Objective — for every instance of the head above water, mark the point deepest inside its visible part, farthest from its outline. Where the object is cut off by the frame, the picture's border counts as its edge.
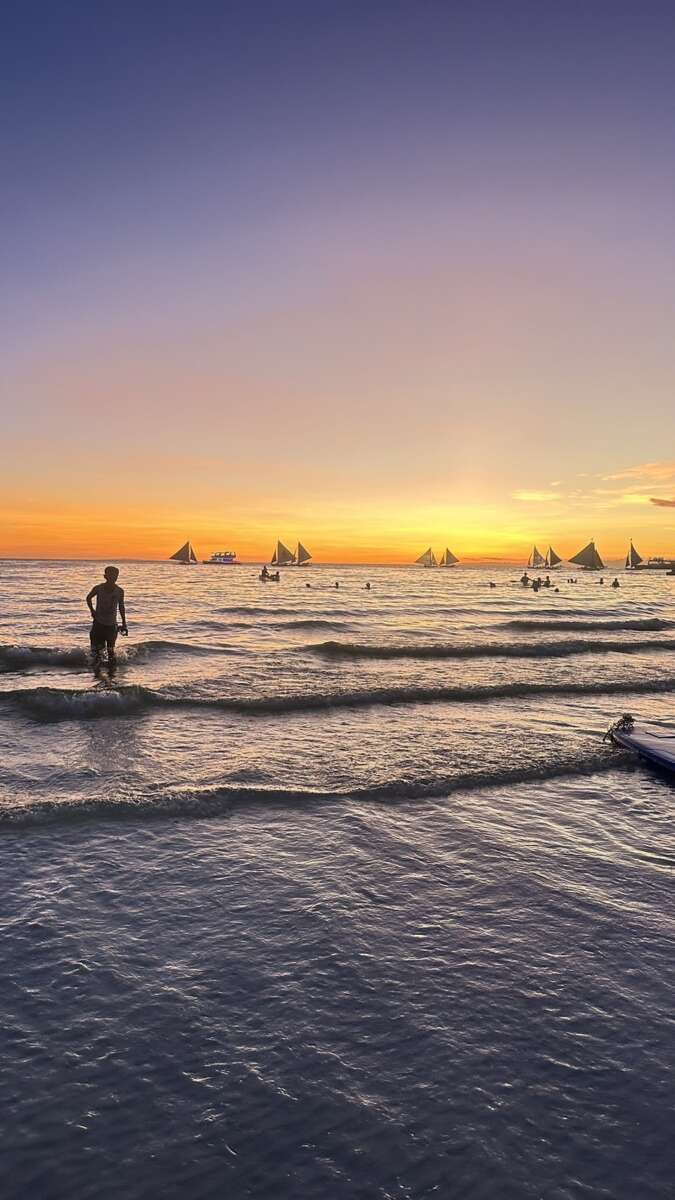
(112, 574)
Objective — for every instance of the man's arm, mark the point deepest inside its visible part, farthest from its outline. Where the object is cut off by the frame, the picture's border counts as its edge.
(90, 597)
(123, 611)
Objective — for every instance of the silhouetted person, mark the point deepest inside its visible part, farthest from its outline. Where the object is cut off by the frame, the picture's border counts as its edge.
(264, 573)
(525, 579)
(109, 598)
(616, 584)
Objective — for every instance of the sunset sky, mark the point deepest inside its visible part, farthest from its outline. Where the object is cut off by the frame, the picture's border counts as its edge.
(375, 275)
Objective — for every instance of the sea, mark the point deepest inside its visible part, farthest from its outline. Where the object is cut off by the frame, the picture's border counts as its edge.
(335, 892)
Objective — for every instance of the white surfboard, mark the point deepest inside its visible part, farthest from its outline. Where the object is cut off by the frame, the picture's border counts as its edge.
(657, 747)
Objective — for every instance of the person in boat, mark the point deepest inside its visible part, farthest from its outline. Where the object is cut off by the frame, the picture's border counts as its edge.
(264, 573)
(525, 579)
(109, 600)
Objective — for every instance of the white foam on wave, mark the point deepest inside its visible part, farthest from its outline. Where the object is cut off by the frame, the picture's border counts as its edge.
(217, 800)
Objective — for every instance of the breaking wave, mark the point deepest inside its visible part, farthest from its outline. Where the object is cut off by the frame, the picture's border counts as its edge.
(20, 658)
(59, 704)
(490, 650)
(218, 800)
(644, 624)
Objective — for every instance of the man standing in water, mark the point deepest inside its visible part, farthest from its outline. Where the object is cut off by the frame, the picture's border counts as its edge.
(109, 598)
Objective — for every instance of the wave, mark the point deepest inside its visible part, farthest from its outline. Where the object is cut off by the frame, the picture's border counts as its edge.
(311, 623)
(217, 800)
(561, 649)
(20, 658)
(644, 624)
(60, 704)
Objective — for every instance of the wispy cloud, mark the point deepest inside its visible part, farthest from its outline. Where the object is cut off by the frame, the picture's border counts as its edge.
(650, 470)
(661, 503)
(536, 497)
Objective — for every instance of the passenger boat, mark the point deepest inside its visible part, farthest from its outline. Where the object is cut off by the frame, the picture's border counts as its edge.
(222, 558)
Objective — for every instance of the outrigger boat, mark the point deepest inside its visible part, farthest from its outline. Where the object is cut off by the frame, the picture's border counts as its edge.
(448, 559)
(185, 555)
(634, 562)
(283, 557)
(428, 559)
(588, 558)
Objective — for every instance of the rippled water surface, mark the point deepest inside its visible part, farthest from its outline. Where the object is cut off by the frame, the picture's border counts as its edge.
(335, 892)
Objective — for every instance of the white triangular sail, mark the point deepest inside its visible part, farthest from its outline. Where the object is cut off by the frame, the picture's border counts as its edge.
(633, 559)
(303, 555)
(273, 560)
(536, 558)
(428, 559)
(448, 559)
(588, 558)
(186, 554)
(284, 556)
(552, 559)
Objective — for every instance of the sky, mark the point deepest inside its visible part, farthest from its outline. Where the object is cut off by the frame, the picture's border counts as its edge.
(372, 275)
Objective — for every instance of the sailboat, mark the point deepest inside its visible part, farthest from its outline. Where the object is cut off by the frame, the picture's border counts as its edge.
(302, 555)
(282, 556)
(552, 559)
(428, 559)
(633, 559)
(448, 559)
(185, 555)
(536, 559)
(588, 558)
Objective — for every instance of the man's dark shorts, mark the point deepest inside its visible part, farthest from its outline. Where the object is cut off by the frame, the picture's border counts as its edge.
(103, 635)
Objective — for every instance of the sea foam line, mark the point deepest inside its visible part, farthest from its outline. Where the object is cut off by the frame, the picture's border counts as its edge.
(561, 649)
(217, 800)
(643, 624)
(19, 658)
(59, 704)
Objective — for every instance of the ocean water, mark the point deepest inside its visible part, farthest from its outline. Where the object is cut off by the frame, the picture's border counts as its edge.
(332, 892)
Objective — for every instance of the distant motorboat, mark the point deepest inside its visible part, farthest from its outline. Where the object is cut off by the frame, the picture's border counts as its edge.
(185, 555)
(428, 559)
(222, 558)
(588, 558)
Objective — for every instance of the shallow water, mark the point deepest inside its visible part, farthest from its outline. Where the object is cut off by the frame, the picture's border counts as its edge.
(423, 943)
